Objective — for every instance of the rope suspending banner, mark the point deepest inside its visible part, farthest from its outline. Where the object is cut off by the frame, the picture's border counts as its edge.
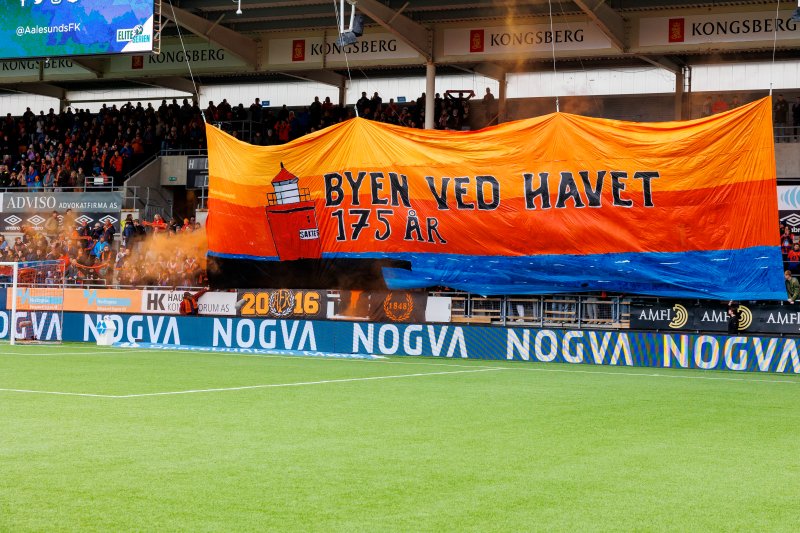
(188, 64)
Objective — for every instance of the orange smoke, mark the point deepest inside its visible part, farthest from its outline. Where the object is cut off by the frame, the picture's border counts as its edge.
(185, 244)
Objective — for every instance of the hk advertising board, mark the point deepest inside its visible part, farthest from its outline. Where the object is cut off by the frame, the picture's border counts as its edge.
(118, 301)
(242, 335)
(57, 28)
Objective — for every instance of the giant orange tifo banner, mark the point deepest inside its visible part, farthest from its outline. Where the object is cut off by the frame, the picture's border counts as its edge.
(558, 203)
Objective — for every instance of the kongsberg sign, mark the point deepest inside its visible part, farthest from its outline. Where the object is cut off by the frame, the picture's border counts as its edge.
(370, 47)
(717, 28)
(529, 39)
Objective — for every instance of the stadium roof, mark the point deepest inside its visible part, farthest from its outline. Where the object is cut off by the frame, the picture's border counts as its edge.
(259, 45)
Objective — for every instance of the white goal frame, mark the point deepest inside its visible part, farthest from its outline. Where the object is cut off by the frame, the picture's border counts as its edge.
(15, 284)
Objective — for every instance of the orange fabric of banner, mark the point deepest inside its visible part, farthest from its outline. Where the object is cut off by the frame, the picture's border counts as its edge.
(556, 184)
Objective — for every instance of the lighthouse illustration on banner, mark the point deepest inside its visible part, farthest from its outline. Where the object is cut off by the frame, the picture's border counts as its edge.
(292, 219)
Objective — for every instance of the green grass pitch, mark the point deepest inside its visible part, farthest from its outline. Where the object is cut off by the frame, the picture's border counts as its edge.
(244, 443)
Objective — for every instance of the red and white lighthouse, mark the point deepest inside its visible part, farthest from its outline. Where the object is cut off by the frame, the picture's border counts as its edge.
(292, 219)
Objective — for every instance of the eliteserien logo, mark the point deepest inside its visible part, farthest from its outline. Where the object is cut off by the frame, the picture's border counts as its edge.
(133, 35)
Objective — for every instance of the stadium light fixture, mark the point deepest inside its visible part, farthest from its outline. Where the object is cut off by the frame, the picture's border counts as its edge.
(239, 10)
(355, 28)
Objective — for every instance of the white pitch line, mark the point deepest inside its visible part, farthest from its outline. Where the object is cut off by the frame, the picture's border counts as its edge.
(116, 351)
(26, 391)
(304, 383)
(249, 387)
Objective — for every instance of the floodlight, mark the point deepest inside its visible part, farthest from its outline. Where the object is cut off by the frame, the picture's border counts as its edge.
(351, 36)
(239, 11)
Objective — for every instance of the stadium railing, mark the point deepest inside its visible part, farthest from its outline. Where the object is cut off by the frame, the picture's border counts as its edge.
(582, 311)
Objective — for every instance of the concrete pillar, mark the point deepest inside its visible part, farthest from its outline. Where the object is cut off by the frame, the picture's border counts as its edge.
(430, 90)
(679, 79)
(342, 93)
(501, 100)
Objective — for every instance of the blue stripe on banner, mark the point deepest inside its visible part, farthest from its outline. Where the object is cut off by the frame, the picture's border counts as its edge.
(747, 274)
(245, 257)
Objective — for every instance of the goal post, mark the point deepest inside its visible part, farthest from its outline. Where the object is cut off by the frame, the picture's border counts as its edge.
(34, 301)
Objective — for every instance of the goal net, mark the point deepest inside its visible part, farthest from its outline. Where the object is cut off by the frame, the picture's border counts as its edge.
(34, 296)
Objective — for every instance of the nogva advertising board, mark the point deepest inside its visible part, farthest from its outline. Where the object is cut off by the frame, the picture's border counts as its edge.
(242, 335)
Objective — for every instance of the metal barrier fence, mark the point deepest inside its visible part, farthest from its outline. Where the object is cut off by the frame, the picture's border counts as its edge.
(573, 311)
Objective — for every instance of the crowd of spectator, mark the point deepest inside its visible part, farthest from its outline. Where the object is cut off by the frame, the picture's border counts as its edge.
(265, 126)
(150, 253)
(785, 116)
(60, 150)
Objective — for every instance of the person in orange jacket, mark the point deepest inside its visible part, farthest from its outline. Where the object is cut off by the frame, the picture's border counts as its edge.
(189, 305)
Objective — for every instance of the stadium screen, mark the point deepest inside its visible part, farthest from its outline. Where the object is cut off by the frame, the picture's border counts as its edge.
(56, 28)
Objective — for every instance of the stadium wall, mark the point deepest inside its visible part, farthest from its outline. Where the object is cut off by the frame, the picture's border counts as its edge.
(345, 339)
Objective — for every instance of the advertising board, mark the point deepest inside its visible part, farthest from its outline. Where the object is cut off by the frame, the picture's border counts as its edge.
(33, 209)
(58, 28)
(244, 335)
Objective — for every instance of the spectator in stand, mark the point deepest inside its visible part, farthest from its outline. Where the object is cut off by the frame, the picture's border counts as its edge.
(362, 103)
(109, 232)
(128, 231)
(792, 287)
(706, 109)
(282, 130)
(793, 258)
(158, 225)
(780, 118)
(796, 118)
(719, 106)
(787, 240)
(489, 107)
(51, 226)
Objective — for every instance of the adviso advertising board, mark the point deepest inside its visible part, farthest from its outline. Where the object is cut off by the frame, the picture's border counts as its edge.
(33, 209)
(56, 28)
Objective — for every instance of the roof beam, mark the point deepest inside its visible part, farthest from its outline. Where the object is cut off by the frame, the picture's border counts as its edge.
(175, 83)
(328, 77)
(607, 20)
(491, 70)
(663, 62)
(415, 35)
(236, 43)
(95, 66)
(42, 89)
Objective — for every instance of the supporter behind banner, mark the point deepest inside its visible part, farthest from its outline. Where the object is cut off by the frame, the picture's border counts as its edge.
(189, 305)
